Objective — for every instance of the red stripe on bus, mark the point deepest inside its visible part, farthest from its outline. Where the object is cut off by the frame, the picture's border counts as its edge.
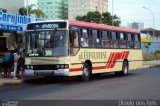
(99, 67)
(118, 56)
(75, 69)
(124, 52)
(110, 63)
(122, 55)
(114, 60)
(127, 54)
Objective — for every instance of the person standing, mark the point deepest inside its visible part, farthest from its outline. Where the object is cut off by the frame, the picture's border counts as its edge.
(16, 58)
(6, 63)
(20, 64)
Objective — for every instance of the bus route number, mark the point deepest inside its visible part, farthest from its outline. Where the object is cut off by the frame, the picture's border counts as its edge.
(50, 26)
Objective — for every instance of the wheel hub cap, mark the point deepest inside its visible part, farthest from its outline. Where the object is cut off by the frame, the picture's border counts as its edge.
(85, 72)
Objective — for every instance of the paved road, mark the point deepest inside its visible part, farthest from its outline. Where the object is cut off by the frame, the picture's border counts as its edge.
(141, 84)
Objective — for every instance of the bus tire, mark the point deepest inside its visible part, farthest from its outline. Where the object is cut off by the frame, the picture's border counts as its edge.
(86, 73)
(124, 71)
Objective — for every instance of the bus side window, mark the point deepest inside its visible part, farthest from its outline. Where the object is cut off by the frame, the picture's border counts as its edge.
(84, 38)
(74, 42)
(130, 41)
(93, 39)
(98, 41)
(114, 40)
(71, 38)
(105, 39)
(137, 43)
(122, 41)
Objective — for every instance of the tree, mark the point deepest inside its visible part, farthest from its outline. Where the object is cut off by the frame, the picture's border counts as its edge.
(106, 18)
(39, 13)
(15, 40)
(94, 17)
(97, 17)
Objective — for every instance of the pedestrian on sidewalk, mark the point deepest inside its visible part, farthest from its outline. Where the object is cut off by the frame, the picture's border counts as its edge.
(20, 66)
(7, 63)
(16, 58)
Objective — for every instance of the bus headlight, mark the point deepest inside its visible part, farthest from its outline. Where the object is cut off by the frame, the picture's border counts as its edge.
(58, 66)
(28, 67)
(62, 66)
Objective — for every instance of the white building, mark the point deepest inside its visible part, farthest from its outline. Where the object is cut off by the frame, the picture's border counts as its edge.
(82, 7)
(136, 25)
(11, 6)
(54, 9)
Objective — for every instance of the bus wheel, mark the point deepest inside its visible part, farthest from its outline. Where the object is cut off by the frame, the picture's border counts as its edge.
(86, 72)
(124, 71)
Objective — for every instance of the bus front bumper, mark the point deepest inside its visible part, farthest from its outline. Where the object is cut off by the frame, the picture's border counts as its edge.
(58, 72)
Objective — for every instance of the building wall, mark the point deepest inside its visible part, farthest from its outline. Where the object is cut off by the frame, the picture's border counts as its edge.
(11, 6)
(136, 25)
(82, 7)
(54, 9)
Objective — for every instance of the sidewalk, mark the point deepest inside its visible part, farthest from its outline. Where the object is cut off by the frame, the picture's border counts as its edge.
(151, 63)
(9, 81)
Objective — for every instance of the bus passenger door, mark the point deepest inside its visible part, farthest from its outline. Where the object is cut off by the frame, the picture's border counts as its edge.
(74, 42)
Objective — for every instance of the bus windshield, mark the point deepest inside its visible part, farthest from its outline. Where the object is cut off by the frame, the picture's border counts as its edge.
(46, 43)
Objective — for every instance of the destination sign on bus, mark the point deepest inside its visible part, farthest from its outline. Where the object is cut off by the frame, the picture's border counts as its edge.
(46, 25)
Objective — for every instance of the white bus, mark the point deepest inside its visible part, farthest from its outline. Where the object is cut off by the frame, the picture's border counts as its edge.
(75, 48)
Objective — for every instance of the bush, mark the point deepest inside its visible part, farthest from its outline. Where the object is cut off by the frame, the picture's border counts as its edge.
(151, 57)
(157, 56)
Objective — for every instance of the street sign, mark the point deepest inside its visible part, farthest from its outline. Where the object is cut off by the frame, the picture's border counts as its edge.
(15, 22)
(11, 27)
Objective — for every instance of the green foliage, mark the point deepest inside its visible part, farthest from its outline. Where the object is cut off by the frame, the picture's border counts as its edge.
(157, 52)
(97, 17)
(15, 40)
(93, 17)
(148, 57)
(152, 56)
(39, 13)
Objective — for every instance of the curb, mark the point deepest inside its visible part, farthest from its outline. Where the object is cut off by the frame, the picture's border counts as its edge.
(149, 66)
(7, 81)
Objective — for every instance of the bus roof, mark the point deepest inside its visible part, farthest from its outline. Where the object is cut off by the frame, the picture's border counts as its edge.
(45, 21)
(102, 26)
(92, 25)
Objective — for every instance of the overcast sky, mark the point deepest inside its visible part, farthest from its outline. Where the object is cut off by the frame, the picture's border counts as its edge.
(132, 11)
